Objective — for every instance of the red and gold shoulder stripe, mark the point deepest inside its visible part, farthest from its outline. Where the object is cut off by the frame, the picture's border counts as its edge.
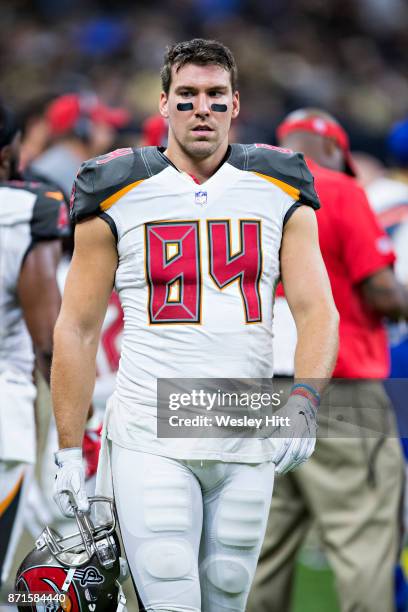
(106, 204)
(291, 191)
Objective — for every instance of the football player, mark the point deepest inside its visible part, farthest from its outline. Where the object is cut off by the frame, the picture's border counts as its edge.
(33, 220)
(173, 229)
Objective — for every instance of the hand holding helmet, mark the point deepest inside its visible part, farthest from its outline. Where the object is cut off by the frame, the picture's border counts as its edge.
(69, 487)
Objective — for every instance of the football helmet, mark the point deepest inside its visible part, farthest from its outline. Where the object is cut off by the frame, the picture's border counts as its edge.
(84, 567)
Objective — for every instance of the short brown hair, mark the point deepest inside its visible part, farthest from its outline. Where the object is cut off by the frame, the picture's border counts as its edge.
(201, 52)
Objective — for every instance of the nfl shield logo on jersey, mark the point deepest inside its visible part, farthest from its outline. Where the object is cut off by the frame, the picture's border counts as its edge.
(201, 198)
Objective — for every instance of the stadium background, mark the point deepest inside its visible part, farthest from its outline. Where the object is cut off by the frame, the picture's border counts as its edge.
(348, 57)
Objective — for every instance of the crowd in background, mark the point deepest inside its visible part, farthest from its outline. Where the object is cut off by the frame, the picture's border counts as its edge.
(348, 57)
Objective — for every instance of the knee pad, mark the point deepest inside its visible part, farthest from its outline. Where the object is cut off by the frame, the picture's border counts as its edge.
(227, 574)
(241, 517)
(167, 502)
(166, 559)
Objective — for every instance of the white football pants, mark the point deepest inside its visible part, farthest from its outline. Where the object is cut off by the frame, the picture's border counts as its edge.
(15, 477)
(192, 530)
(17, 453)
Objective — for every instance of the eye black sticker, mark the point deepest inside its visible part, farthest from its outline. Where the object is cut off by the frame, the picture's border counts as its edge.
(185, 106)
(219, 108)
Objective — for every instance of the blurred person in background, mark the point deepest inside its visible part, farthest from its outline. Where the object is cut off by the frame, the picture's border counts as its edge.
(154, 131)
(397, 143)
(80, 127)
(35, 131)
(388, 197)
(33, 221)
(351, 487)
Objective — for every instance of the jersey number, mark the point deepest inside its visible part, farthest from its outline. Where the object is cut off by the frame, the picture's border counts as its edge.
(173, 267)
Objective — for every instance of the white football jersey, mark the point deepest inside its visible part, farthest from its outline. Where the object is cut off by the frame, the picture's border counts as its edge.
(28, 213)
(198, 267)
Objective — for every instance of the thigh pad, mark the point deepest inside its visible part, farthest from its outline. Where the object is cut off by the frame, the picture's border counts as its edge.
(227, 574)
(167, 502)
(241, 517)
(167, 558)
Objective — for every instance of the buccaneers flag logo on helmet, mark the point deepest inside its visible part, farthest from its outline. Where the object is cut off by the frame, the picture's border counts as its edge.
(81, 571)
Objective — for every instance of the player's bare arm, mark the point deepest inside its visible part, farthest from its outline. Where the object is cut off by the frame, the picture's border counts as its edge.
(310, 299)
(40, 299)
(307, 288)
(87, 290)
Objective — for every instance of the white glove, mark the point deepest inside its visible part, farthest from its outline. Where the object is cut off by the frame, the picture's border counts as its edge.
(69, 486)
(299, 438)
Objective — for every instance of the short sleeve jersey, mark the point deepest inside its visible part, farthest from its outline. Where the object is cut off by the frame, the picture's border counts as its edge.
(29, 213)
(198, 267)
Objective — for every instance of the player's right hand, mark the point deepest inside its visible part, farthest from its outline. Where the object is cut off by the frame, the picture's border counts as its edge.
(69, 487)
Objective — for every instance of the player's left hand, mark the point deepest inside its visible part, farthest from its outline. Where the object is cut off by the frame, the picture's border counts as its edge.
(69, 487)
(299, 438)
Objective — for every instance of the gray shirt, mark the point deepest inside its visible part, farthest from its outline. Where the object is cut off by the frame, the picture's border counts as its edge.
(58, 165)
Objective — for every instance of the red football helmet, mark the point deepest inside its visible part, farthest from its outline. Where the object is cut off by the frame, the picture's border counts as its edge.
(85, 566)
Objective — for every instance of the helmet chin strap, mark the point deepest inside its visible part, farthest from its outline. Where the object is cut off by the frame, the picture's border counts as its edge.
(121, 599)
(124, 573)
(69, 578)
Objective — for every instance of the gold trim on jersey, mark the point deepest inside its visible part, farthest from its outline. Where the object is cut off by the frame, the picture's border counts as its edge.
(291, 191)
(174, 292)
(9, 498)
(55, 195)
(169, 247)
(106, 204)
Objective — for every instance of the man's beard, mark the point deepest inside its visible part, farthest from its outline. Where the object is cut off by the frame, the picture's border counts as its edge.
(197, 152)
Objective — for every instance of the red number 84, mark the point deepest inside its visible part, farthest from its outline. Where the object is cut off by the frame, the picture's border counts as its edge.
(173, 267)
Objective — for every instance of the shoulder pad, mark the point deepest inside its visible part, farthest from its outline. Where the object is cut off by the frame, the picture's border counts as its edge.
(50, 214)
(101, 181)
(283, 167)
